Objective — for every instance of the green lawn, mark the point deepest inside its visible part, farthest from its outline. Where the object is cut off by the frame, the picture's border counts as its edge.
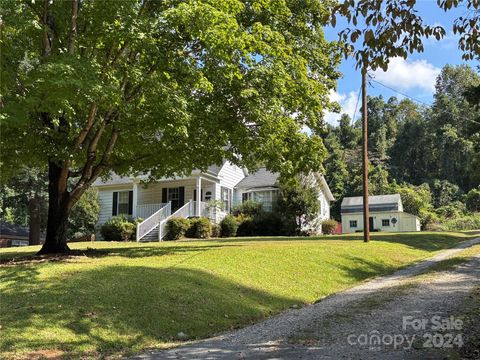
(127, 297)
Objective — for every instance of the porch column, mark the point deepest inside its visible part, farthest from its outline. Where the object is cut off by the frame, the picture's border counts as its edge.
(199, 196)
(135, 198)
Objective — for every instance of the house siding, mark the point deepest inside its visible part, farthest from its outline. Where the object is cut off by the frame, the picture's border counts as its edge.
(405, 222)
(230, 175)
(105, 198)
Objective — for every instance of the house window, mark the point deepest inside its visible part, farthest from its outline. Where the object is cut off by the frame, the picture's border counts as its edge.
(353, 223)
(264, 197)
(385, 222)
(226, 198)
(173, 196)
(122, 203)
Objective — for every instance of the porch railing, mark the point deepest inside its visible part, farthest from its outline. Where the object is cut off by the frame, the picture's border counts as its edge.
(204, 209)
(213, 213)
(185, 211)
(153, 221)
(146, 210)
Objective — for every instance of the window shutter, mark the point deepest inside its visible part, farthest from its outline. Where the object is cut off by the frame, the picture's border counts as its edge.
(115, 203)
(130, 202)
(164, 195)
(181, 196)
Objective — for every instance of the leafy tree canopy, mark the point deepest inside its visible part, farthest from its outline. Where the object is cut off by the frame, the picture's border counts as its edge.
(167, 85)
(161, 86)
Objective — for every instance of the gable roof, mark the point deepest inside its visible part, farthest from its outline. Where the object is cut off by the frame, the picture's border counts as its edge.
(372, 200)
(264, 178)
(13, 230)
(114, 179)
(215, 169)
(261, 178)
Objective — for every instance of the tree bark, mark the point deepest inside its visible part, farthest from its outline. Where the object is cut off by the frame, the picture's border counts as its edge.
(59, 206)
(34, 225)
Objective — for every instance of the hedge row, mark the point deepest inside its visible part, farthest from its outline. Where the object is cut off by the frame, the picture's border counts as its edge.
(197, 228)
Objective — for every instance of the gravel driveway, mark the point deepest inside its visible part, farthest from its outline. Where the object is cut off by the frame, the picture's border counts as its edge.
(392, 317)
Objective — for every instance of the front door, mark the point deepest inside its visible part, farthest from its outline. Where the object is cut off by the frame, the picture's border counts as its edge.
(176, 196)
(370, 223)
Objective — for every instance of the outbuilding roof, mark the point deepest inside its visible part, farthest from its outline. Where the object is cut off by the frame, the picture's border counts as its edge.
(261, 178)
(372, 200)
(13, 230)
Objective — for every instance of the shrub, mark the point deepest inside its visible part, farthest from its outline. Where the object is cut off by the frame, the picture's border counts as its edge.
(329, 226)
(298, 203)
(176, 228)
(470, 222)
(427, 218)
(473, 200)
(228, 226)
(450, 211)
(444, 193)
(200, 228)
(245, 226)
(248, 208)
(215, 231)
(268, 224)
(265, 224)
(118, 228)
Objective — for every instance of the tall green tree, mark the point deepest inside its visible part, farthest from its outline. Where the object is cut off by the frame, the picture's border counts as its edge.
(410, 151)
(454, 127)
(160, 87)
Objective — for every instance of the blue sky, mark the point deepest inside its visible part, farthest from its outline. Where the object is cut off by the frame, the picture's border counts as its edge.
(414, 76)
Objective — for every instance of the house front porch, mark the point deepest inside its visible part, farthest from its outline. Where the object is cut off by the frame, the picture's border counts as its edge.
(154, 203)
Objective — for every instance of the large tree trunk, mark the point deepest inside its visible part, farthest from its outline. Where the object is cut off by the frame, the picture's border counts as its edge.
(59, 206)
(34, 225)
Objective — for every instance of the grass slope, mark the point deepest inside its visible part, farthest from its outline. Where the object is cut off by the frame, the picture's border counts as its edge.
(126, 297)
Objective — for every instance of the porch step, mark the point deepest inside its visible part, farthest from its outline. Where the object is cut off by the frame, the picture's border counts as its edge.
(151, 236)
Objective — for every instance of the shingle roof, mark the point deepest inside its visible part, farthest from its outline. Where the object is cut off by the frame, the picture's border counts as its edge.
(215, 169)
(114, 180)
(372, 200)
(260, 178)
(125, 180)
(13, 230)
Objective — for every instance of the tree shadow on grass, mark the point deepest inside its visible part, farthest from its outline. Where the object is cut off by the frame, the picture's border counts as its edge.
(120, 309)
(364, 269)
(17, 258)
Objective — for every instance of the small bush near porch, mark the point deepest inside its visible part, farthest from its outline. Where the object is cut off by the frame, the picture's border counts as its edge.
(121, 298)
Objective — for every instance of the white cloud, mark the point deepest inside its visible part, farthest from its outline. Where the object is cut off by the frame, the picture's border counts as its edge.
(405, 75)
(346, 101)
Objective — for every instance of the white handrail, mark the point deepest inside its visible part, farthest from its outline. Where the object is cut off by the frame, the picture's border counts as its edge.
(185, 212)
(146, 210)
(153, 221)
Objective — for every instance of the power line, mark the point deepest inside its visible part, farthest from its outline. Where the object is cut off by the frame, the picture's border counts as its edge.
(414, 99)
(401, 93)
(356, 105)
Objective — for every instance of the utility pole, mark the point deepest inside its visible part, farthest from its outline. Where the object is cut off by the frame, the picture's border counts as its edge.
(366, 223)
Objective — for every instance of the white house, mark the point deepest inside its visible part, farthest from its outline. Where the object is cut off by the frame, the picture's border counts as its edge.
(385, 214)
(191, 196)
